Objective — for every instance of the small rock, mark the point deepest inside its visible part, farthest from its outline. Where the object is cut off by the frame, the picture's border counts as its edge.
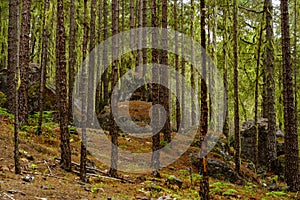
(28, 178)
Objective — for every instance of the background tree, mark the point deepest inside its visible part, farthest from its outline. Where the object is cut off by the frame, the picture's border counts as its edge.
(43, 68)
(290, 127)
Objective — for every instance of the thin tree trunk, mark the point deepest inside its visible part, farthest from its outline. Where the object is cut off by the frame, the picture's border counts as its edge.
(256, 96)
(236, 91)
(24, 62)
(83, 150)
(164, 80)
(114, 128)
(225, 73)
(91, 68)
(43, 69)
(13, 66)
(155, 93)
(99, 93)
(105, 50)
(204, 184)
(72, 58)
(193, 107)
(291, 137)
(270, 85)
(183, 117)
(177, 69)
(62, 89)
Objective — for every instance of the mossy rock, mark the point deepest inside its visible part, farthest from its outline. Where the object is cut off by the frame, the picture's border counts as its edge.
(3, 99)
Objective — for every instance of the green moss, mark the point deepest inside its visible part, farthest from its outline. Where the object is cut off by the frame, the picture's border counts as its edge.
(3, 99)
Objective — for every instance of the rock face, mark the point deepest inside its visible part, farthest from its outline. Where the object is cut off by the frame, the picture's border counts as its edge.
(33, 89)
(248, 142)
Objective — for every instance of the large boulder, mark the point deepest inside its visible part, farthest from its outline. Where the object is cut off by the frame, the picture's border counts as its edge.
(33, 89)
(248, 143)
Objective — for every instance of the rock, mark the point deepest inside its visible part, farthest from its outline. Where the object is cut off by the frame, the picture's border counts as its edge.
(28, 178)
(173, 180)
(219, 170)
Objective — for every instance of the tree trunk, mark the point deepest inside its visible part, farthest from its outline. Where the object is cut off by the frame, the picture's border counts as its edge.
(91, 68)
(256, 95)
(24, 62)
(105, 50)
(13, 66)
(62, 89)
(204, 184)
(270, 85)
(43, 69)
(183, 117)
(114, 128)
(177, 100)
(291, 137)
(83, 150)
(193, 107)
(164, 79)
(72, 58)
(155, 162)
(236, 91)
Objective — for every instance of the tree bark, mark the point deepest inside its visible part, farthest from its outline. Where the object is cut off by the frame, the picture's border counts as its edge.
(62, 89)
(13, 67)
(291, 137)
(43, 69)
(204, 184)
(270, 85)
(24, 62)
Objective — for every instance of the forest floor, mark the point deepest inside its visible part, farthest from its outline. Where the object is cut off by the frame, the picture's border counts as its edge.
(39, 159)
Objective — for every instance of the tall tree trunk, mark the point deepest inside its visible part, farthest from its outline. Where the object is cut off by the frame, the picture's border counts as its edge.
(24, 62)
(105, 50)
(43, 69)
(99, 92)
(183, 117)
(177, 68)
(270, 85)
(236, 91)
(256, 95)
(193, 107)
(295, 63)
(13, 67)
(72, 58)
(291, 137)
(13, 58)
(225, 73)
(91, 70)
(83, 150)
(204, 185)
(62, 89)
(164, 72)
(114, 128)
(155, 162)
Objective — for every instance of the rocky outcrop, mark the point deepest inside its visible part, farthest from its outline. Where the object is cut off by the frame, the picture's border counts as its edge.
(248, 144)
